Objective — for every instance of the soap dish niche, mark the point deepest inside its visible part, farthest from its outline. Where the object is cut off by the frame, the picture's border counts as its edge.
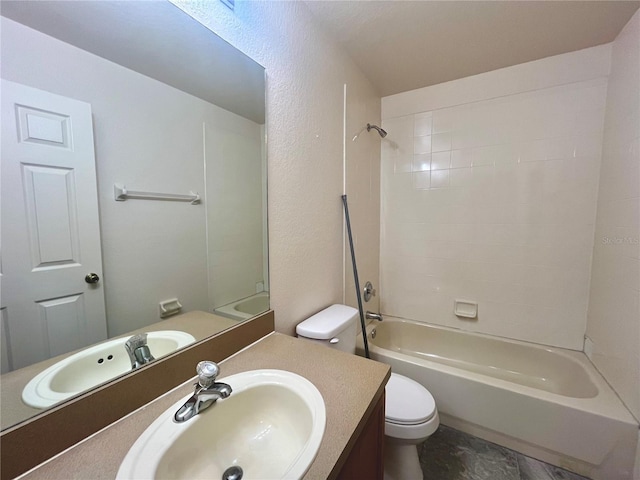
(465, 309)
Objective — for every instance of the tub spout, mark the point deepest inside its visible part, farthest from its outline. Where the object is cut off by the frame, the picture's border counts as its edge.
(373, 316)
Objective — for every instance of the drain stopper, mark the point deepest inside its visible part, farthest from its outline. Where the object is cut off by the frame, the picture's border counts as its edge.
(232, 473)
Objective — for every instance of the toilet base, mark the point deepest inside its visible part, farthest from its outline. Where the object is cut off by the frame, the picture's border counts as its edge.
(401, 461)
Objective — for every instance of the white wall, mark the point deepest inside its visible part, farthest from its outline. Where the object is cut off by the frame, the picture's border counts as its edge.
(148, 136)
(306, 72)
(234, 210)
(489, 187)
(614, 304)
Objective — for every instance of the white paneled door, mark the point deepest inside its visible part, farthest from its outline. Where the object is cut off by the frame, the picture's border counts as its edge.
(50, 228)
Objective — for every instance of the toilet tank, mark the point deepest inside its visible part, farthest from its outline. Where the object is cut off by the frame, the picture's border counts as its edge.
(334, 327)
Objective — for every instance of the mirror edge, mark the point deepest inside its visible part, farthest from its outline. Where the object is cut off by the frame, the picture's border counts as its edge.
(29, 443)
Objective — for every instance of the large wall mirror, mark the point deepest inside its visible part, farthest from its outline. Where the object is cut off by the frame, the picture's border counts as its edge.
(133, 193)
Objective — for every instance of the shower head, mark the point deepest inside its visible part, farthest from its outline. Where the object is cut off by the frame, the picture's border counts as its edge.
(378, 129)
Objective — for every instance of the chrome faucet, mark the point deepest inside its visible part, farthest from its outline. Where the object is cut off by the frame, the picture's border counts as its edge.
(138, 350)
(373, 316)
(207, 392)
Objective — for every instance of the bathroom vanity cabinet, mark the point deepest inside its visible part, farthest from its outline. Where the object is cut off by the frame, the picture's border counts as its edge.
(366, 459)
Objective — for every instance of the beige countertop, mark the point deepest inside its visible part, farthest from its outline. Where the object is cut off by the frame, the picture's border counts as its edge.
(350, 387)
(14, 410)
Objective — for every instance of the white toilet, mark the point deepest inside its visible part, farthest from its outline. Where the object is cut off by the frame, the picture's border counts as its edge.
(410, 411)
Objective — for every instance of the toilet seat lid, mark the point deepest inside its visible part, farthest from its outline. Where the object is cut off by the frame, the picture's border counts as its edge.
(407, 402)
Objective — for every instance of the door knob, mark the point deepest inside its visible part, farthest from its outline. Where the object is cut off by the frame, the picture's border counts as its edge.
(92, 278)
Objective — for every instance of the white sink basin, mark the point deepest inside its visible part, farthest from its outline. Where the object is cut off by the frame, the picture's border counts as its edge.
(271, 426)
(93, 366)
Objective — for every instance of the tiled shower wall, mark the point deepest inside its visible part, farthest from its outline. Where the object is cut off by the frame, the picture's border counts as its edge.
(490, 196)
(614, 303)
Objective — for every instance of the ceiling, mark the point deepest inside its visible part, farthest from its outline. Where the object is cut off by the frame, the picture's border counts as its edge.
(404, 45)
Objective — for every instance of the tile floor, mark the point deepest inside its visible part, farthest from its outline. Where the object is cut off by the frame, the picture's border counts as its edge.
(453, 455)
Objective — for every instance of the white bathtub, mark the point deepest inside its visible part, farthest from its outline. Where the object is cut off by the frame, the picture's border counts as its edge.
(544, 402)
(245, 308)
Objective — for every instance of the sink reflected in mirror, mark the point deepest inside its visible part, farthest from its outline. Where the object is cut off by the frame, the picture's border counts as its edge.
(94, 366)
(271, 426)
(198, 324)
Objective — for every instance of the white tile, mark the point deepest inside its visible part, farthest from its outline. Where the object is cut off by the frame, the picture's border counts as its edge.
(533, 151)
(441, 142)
(444, 120)
(461, 158)
(440, 160)
(422, 124)
(403, 164)
(439, 178)
(463, 138)
(460, 177)
(588, 145)
(483, 177)
(462, 214)
(483, 156)
(589, 121)
(559, 148)
(507, 210)
(422, 162)
(422, 144)
(421, 180)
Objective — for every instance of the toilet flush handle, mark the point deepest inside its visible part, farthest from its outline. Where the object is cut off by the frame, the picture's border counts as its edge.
(334, 340)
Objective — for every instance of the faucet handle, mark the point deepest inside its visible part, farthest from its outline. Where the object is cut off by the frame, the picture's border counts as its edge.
(207, 372)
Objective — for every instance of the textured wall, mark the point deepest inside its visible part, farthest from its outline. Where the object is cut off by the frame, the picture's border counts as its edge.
(306, 72)
(614, 306)
(488, 195)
